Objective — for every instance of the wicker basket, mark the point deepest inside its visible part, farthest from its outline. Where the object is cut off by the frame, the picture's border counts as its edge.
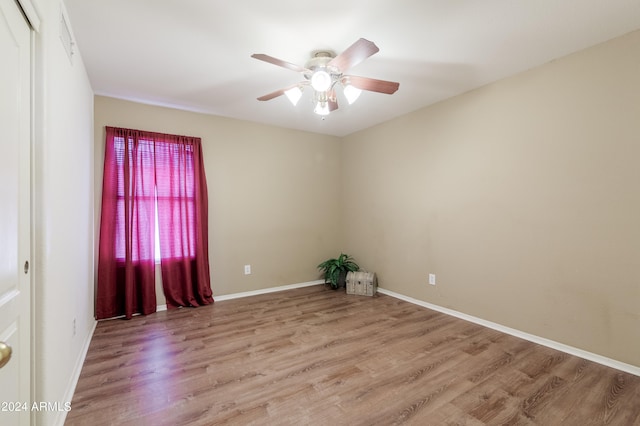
(362, 283)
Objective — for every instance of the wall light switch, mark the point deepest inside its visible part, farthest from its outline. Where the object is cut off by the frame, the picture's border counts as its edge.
(432, 279)
(247, 269)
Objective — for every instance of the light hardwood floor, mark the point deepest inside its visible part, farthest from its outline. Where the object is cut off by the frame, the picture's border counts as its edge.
(313, 356)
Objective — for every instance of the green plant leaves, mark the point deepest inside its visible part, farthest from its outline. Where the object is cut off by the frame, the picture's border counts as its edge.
(333, 267)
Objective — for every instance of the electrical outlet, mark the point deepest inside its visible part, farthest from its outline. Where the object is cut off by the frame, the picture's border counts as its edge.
(74, 326)
(432, 279)
(247, 269)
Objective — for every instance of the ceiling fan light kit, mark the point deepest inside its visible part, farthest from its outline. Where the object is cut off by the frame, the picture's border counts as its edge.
(324, 71)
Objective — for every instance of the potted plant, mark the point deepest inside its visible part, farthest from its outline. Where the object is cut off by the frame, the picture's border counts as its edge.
(335, 270)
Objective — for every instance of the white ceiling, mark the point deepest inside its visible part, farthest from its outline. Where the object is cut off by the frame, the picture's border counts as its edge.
(196, 54)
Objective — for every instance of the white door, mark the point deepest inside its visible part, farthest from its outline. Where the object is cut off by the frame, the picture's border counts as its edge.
(15, 214)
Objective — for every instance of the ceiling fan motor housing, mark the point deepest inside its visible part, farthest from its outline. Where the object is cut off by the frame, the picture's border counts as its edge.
(318, 63)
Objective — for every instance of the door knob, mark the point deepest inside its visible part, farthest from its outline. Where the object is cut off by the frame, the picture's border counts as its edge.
(5, 354)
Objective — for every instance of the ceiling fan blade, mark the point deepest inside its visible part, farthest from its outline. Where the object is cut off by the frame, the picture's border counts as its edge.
(272, 95)
(332, 100)
(280, 92)
(371, 84)
(354, 54)
(279, 62)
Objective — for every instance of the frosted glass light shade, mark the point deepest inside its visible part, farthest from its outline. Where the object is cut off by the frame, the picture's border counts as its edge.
(321, 81)
(351, 93)
(322, 108)
(294, 94)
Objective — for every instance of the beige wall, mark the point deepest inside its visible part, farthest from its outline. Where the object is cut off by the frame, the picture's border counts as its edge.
(268, 193)
(523, 197)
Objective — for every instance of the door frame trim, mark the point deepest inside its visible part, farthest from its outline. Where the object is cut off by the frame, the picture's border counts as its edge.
(31, 13)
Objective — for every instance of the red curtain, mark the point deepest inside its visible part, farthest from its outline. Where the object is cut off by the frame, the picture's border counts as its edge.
(182, 217)
(138, 166)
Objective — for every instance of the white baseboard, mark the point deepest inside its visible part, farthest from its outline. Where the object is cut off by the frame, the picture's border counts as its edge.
(73, 382)
(266, 290)
(253, 293)
(628, 368)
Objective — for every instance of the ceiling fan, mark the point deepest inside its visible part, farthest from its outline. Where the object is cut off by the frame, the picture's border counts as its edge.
(324, 71)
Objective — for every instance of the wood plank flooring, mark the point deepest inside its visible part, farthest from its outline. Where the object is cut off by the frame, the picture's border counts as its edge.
(314, 356)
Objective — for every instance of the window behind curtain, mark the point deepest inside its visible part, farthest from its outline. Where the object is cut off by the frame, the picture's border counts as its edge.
(175, 192)
(144, 224)
(174, 199)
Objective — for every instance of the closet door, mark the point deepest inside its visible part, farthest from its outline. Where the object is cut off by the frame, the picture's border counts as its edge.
(15, 215)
